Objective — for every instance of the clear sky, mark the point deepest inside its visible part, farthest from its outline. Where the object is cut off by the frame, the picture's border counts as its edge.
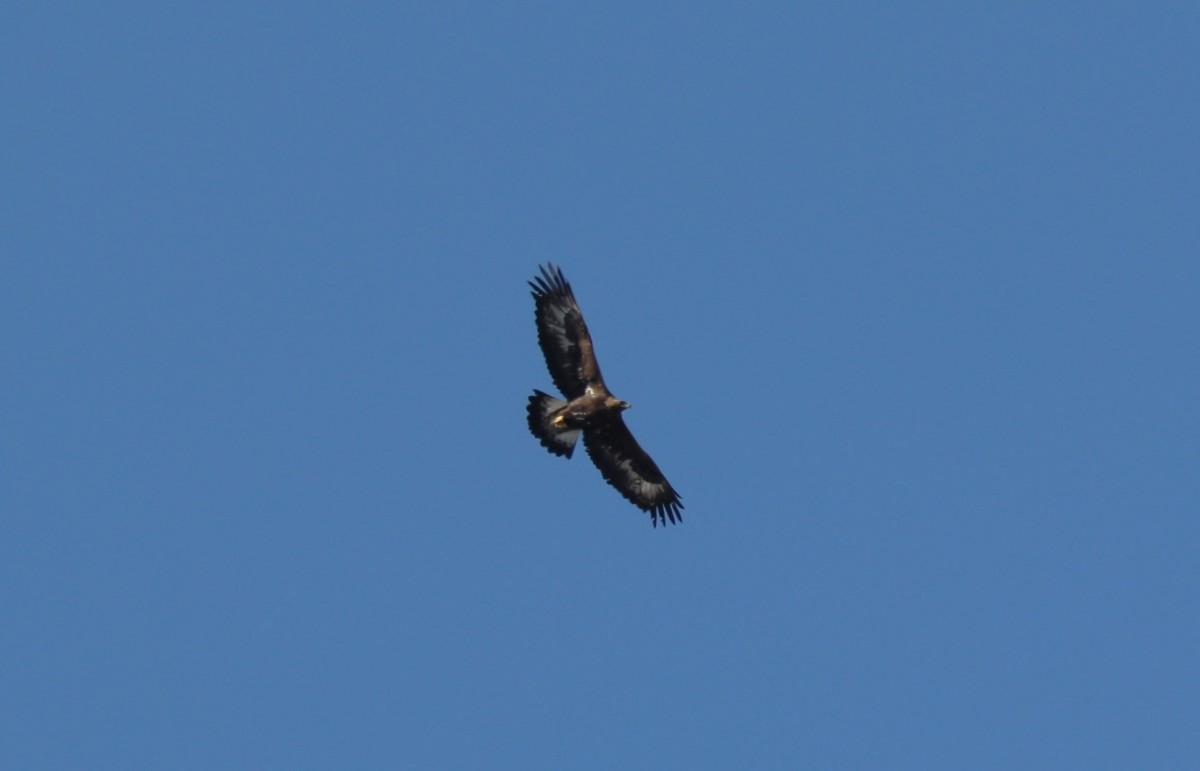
(904, 297)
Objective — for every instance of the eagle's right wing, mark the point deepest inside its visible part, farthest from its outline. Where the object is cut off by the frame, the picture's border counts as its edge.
(628, 468)
(562, 334)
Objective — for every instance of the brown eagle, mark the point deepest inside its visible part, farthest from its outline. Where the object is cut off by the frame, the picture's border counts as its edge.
(589, 407)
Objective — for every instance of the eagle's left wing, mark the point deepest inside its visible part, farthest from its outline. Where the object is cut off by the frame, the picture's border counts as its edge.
(627, 467)
(562, 334)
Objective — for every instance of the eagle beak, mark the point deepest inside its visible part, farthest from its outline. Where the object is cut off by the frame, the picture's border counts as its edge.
(625, 405)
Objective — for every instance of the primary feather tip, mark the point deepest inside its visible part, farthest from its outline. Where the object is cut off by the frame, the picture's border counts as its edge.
(550, 282)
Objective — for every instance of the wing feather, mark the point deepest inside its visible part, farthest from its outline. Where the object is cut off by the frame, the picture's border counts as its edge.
(563, 335)
(629, 469)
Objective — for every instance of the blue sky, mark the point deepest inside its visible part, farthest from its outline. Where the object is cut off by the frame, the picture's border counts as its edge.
(904, 296)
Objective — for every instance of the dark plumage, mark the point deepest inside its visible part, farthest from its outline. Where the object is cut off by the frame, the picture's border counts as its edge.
(589, 408)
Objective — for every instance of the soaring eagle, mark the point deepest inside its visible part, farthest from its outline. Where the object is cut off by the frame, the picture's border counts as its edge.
(589, 407)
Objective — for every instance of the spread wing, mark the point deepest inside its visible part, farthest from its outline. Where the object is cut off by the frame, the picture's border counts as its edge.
(562, 334)
(627, 467)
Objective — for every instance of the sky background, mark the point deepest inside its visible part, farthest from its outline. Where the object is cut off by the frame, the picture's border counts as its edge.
(904, 296)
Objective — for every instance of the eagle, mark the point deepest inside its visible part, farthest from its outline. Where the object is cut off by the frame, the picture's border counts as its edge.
(589, 407)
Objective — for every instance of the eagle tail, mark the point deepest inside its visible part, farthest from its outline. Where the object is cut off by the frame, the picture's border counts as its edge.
(558, 441)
